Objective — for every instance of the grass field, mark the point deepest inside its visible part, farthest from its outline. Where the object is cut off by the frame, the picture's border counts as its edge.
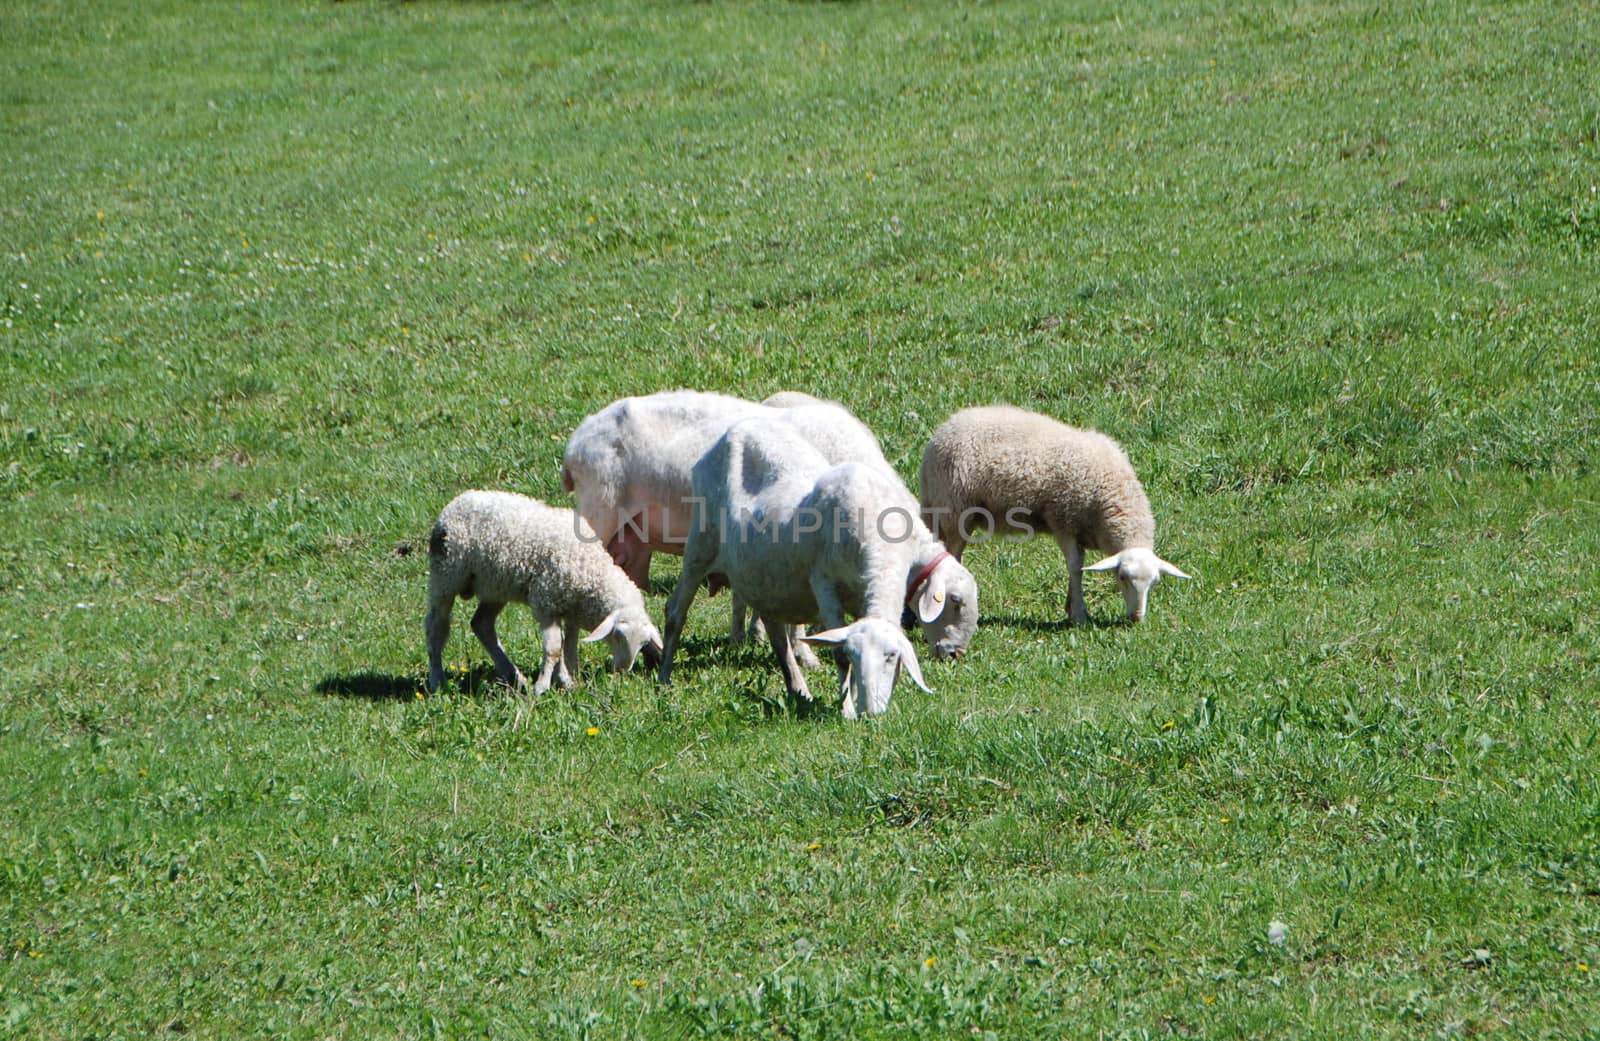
(279, 279)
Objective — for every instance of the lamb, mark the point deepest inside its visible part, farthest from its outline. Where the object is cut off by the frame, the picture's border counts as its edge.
(1009, 469)
(501, 547)
(801, 540)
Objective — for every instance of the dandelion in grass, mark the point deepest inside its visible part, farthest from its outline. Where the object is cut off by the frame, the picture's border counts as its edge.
(930, 961)
(638, 983)
(1582, 967)
(593, 731)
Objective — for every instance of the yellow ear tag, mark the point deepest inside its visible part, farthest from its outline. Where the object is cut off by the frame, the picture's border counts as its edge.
(938, 598)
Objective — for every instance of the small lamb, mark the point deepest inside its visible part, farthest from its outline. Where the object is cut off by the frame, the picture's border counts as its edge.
(800, 540)
(502, 547)
(1008, 469)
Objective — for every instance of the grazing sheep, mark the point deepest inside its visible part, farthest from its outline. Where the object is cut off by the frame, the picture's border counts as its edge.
(1008, 469)
(834, 431)
(801, 540)
(628, 467)
(501, 547)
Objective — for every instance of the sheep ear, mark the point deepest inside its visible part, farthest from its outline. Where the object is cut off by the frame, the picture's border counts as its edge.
(908, 662)
(830, 637)
(1170, 569)
(930, 602)
(1108, 564)
(602, 630)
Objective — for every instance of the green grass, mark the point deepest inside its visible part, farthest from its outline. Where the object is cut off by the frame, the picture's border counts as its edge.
(277, 280)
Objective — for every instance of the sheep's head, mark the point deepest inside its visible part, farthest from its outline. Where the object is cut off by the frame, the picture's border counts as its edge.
(947, 607)
(1137, 570)
(629, 631)
(876, 652)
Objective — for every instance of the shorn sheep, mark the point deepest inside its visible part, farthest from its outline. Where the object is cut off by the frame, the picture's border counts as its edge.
(800, 540)
(1007, 469)
(628, 467)
(501, 547)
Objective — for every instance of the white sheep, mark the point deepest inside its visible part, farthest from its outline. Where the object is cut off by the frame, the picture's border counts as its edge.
(834, 431)
(628, 464)
(1007, 469)
(801, 540)
(502, 547)
(628, 467)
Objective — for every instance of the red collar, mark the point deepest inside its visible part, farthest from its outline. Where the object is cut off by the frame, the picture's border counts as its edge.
(925, 574)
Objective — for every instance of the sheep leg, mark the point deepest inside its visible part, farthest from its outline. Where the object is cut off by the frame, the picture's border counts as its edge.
(950, 535)
(699, 556)
(437, 628)
(483, 627)
(794, 680)
(550, 634)
(1077, 613)
(802, 651)
(738, 633)
(830, 609)
(567, 670)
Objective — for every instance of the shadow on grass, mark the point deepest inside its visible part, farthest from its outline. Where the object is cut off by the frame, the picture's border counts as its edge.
(1046, 625)
(382, 686)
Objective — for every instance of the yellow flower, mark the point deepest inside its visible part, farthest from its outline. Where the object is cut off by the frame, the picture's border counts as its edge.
(1582, 967)
(592, 731)
(1168, 725)
(815, 845)
(419, 693)
(1210, 999)
(1224, 819)
(637, 983)
(929, 962)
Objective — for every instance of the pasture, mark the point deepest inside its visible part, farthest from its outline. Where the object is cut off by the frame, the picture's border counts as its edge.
(278, 279)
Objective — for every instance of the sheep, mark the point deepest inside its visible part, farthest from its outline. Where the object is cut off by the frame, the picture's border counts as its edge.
(841, 438)
(501, 547)
(801, 540)
(628, 467)
(1009, 469)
